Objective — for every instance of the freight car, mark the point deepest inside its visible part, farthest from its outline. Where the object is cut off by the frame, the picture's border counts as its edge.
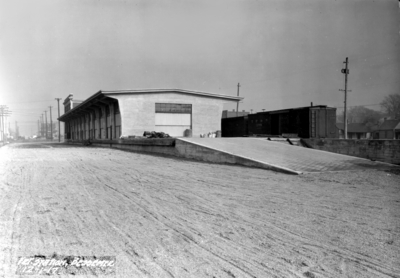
(304, 122)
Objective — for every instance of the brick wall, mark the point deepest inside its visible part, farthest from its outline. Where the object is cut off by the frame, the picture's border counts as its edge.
(380, 150)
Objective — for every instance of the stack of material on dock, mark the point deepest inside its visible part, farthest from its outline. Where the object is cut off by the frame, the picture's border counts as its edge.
(153, 134)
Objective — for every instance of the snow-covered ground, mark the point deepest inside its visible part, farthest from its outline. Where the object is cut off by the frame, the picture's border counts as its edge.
(168, 217)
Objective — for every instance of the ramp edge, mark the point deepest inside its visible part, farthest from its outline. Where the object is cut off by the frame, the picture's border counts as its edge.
(267, 165)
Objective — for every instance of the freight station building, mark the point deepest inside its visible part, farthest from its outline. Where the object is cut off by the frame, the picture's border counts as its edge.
(110, 114)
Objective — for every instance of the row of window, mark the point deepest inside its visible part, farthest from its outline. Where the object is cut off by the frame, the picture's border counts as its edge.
(173, 108)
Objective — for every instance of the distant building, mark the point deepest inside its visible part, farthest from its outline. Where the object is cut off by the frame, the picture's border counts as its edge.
(110, 114)
(70, 103)
(233, 113)
(389, 129)
(354, 131)
(397, 131)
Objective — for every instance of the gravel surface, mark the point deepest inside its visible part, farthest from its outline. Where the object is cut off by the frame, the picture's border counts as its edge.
(169, 217)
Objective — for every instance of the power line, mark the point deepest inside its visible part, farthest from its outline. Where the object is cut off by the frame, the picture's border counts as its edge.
(25, 109)
(25, 112)
(31, 101)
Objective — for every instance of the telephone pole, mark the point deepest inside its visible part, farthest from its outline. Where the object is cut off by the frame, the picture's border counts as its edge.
(1, 123)
(41, 125)
(59, 128)
(237, 104)
(51, 125)
(45, 115)
(16, 130)
(346, 72)
(2, 107)
(4, 112)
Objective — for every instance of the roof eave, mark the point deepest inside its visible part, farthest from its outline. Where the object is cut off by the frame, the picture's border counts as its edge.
(75, 109)
(121, 92)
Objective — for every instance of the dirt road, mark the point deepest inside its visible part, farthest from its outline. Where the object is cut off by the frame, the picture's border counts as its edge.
(167, 217)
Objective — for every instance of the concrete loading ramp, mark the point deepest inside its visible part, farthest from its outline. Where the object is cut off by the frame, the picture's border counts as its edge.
(272, 155)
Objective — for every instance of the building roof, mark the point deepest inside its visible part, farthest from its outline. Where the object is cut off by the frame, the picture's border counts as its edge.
(104, 96)
(71, 97)
(374, 127)
(68, 98)
(232, 114)
(180, 91)
(297, 108)
(353, 127)
(389, 124)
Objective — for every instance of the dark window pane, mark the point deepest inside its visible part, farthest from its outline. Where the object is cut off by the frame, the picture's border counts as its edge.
(173, 108)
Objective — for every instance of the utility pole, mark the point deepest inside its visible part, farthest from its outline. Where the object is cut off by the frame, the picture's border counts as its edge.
(16, 130)
(51, 125)
(4, 112)
(47, 134)
(237, 105)
(41, 125)
(1, 123)
(346, 72)
(59, 128)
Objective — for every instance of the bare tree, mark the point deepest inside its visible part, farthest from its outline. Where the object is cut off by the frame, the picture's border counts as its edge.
(391, 105)
(360, 114)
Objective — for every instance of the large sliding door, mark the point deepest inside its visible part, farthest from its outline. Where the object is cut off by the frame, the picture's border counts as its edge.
(173, 118)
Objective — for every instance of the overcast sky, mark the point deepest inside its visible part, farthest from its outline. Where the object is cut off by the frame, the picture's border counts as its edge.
(284, 53)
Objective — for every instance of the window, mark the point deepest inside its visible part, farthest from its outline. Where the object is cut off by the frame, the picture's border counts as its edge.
(107, 110)
(173, 108)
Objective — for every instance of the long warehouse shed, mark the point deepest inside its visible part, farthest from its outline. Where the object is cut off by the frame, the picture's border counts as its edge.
(110, 114)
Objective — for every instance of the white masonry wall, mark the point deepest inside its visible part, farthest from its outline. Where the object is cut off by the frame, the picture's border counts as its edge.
(138, 111)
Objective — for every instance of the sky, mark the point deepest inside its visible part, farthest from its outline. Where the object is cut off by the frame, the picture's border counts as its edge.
(284, 53)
